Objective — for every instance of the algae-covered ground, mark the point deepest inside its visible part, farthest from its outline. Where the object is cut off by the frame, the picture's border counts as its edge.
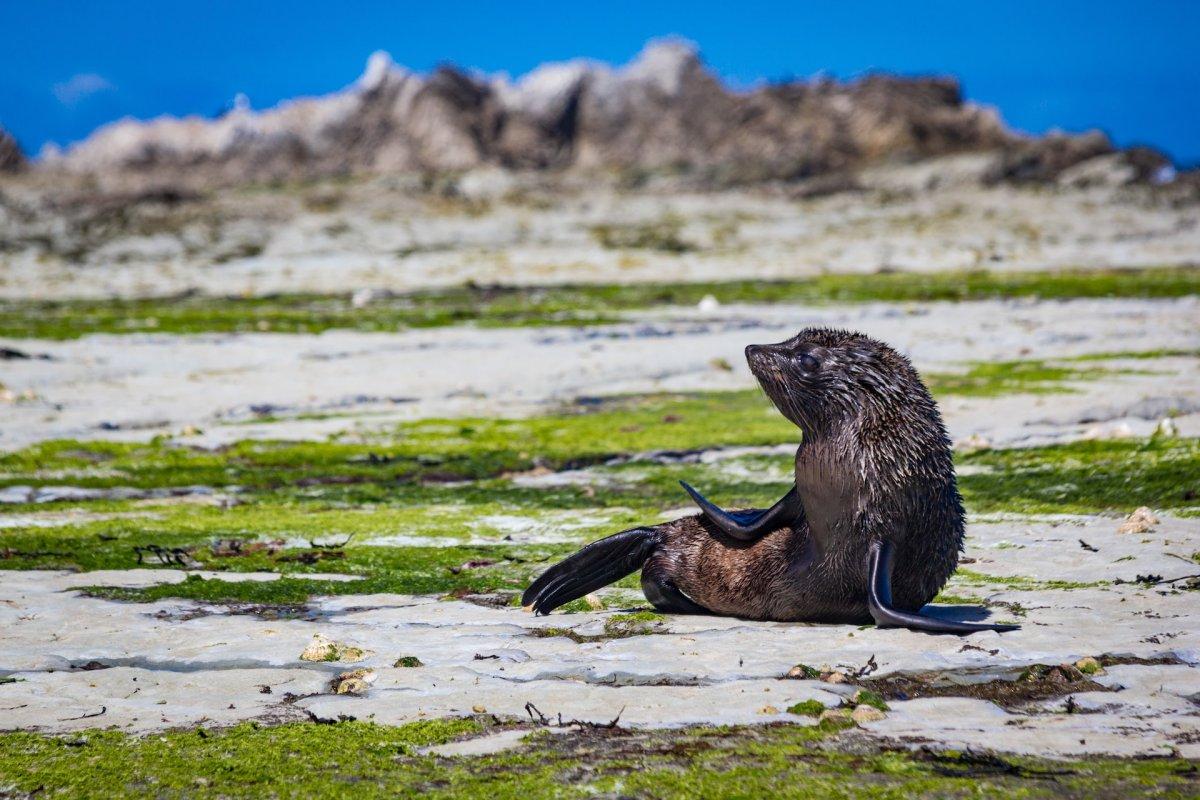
(558, 305)
(162, 574)
(482, 491)
(353, 759)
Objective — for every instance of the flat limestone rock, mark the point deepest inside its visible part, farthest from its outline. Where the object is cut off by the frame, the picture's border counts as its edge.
(79, 662)
(183, 382)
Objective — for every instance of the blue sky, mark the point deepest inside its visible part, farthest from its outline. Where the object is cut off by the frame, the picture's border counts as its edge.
(1130, 68)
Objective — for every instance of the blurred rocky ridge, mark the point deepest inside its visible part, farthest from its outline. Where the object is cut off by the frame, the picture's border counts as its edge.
(11, 157)
(581, 163)
(662, 113)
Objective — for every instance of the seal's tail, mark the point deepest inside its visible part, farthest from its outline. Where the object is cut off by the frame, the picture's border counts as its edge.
(592, 568)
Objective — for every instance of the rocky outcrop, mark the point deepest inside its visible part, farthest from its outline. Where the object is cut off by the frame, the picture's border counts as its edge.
(1043, 160)
(663, 110)
(11, 157)
(1080, 161)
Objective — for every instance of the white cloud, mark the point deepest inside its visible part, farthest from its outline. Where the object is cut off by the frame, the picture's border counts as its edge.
(80, 86)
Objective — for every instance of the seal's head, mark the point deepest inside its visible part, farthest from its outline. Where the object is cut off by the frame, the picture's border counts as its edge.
(826, 380)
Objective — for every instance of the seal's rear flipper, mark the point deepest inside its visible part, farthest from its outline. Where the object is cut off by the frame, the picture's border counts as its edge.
(879, 601)
(750, 524)
(664, 595)
(592, 568)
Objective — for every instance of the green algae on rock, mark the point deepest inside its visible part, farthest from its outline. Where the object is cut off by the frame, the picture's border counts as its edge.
(407, 508)
(995, 378)
(619, 626)
(435, 450)
(417, 538)
(1085, 476)
(807, 708)
(562, 305)
(365, 760)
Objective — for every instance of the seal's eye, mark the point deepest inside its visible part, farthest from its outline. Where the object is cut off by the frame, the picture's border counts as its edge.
(809, 364)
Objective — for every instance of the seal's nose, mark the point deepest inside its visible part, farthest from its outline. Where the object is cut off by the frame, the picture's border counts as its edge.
(761, 352)
(762, 358)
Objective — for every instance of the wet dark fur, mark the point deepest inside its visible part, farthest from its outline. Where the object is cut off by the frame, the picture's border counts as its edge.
(874, 465)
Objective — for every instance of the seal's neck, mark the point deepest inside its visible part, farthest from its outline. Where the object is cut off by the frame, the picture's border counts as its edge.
(829, 483)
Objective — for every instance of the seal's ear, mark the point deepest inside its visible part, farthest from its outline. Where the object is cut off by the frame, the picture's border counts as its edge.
(879, 601)
(750, 525)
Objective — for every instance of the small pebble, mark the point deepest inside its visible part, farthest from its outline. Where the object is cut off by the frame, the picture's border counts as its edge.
(1140, 521)
(972, 443)
(323, 649)
(863, 714)
(356, 682)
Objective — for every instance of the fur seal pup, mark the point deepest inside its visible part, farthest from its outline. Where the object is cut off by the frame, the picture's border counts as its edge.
(870, 530)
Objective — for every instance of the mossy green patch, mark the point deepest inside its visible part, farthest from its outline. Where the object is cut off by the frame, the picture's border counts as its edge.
(243, 761)
(638, 623)
(395, 570)
(1136, 355)
(807, 708)
(1085, 476)
(989, 379)
(945, 598)
(363, 760)
(970, 577)
(561, 305)
(619, 626)
(437, 450)
(865, 697)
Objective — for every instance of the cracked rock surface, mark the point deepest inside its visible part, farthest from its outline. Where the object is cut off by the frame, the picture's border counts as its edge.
(72, 662)
(215, 382)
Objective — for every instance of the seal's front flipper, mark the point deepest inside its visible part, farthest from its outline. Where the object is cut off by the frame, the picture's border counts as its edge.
(879, 601)
(750, 524)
